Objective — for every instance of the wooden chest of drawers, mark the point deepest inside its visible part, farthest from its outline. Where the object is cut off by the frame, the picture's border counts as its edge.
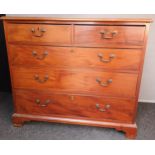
(77, 71)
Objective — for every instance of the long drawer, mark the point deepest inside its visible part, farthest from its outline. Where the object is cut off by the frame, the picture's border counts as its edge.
(87, 81)
(39, 33)
(70, 105)
(90, 35)
(123, 59)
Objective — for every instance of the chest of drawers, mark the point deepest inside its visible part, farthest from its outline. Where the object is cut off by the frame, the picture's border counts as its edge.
(76, 71)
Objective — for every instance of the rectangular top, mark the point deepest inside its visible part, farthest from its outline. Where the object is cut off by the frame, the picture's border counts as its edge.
(135, 20)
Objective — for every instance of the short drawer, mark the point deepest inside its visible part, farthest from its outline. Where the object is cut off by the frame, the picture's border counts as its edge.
(86, 81)
(110, 36)
(70, 105)
(39, 33)
(121, 59)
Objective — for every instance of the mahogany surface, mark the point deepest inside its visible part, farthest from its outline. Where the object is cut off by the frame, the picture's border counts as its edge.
(123, 84)
(128, 35)
(73, 105)
(56, 33)
(64, 57)
(76, 71)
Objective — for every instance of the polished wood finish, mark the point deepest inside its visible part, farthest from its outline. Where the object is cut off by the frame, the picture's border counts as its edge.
(63, 57)
(123, 84)
(124, 35)
(76, 71)
(64, 20)
(52, 33)
(73, 105)
(129, 129)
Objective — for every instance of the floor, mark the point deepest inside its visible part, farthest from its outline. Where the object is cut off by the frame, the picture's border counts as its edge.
(54, 131)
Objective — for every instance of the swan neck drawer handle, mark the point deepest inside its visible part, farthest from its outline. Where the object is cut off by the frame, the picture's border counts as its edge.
(36, 77)
(38, 102)
(104, 109)
(111, 57)
(39, 57)
(108, 34)
(104, 84)
(39, 32)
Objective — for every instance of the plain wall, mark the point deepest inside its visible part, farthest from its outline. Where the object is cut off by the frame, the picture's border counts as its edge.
(147, 90)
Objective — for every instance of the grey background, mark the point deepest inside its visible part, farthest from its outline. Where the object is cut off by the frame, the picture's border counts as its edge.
(147, 91)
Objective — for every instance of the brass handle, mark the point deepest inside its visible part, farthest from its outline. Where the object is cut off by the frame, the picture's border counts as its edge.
(111, 56)
(72, 98)
(36, 77)
(104, 109)
(39, 32)
(41, 57)
(104, 84)
(37, 101)
(107, 34)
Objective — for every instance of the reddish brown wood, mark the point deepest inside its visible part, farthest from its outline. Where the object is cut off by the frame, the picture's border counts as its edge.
(72, 105)
(125, 35)
(123, 84)
(130, 132)
(76, 20)
(18, 122)
(63, 57)
(129, 129)
(72, 66)
(53, 33)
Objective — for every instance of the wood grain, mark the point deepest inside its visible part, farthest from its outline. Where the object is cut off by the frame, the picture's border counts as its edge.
(126, 35)
(77, 59)
(72, 105)
(123, 84)
(67, 57)
(54, 33)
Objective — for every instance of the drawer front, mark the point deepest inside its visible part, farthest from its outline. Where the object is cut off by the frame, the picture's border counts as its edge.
(109, 35)
(125, 59)
(32, 33)
(86, 81)
(70, 105)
